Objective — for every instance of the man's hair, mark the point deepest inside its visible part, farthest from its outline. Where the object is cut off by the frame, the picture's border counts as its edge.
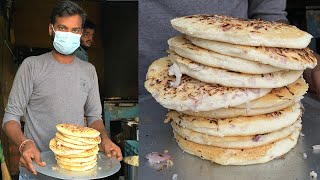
(89, 25)
(66, 8)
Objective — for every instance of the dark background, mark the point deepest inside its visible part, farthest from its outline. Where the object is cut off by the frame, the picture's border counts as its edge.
(121, 49)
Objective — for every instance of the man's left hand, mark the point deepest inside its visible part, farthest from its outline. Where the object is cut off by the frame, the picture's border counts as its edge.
(110, 149)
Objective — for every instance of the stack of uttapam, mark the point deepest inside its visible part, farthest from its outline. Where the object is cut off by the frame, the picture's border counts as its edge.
(75, 147)
(233, 87)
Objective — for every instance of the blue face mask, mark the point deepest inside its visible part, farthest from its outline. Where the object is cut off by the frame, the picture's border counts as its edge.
(66, 42)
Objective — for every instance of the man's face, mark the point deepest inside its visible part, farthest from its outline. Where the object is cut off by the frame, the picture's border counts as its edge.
(87, 37)
(67, 24)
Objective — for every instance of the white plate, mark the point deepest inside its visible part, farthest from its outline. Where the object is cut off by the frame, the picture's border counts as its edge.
(105, 167)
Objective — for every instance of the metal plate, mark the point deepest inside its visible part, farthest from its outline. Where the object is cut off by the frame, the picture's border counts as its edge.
(156, 136)
(105, 167)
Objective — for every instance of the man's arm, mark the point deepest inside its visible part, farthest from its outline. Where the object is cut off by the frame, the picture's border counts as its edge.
(17, 102)
(93, 111)
(312, 76)
(29, 151)
(315, 73)
(14, 132)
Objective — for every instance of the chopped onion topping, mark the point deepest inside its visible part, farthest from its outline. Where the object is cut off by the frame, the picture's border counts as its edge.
(156, 157)
(313, 175)
(256, 138)
(175, 177)
(174, 70)
(316, 147)
(305, 156)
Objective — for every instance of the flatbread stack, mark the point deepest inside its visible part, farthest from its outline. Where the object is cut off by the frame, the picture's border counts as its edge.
(233, 87)
(75, 147)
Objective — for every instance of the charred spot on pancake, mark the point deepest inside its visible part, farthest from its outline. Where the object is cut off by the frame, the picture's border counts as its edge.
(279, 96)
(250, 24)
(274, 114)
(214, 121)
(226, 26)
(167, 85)
(295, 58)
(259, 26)
(234, 72)
(289, 91)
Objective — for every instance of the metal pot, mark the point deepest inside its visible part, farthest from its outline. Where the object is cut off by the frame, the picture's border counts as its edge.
(131, 169)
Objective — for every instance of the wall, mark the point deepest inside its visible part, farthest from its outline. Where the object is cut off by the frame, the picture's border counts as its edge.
(7, 72)
(121, 39)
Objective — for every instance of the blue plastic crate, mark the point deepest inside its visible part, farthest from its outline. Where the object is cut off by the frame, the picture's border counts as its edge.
(131, 148)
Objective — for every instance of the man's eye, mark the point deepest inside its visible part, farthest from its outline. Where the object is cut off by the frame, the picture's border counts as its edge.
(76, 31)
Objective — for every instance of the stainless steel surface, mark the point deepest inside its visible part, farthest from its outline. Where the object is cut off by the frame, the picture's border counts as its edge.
(132, 172)
(105, 167)
(156, 136)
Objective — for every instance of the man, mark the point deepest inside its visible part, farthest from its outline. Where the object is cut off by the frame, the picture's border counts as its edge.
(54, 88)
(85, 41)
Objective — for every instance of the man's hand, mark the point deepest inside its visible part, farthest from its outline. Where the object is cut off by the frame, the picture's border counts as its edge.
(30, 152)
(312, 77)
(110, 149)
(107, 146)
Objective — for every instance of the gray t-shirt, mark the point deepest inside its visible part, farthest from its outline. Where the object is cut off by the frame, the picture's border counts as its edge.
(155, 28)
(49, 93)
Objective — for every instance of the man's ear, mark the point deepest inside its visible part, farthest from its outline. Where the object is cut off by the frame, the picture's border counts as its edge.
(50, 29)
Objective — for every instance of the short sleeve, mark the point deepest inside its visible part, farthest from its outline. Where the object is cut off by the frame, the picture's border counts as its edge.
(20, 93)
(93, 108)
